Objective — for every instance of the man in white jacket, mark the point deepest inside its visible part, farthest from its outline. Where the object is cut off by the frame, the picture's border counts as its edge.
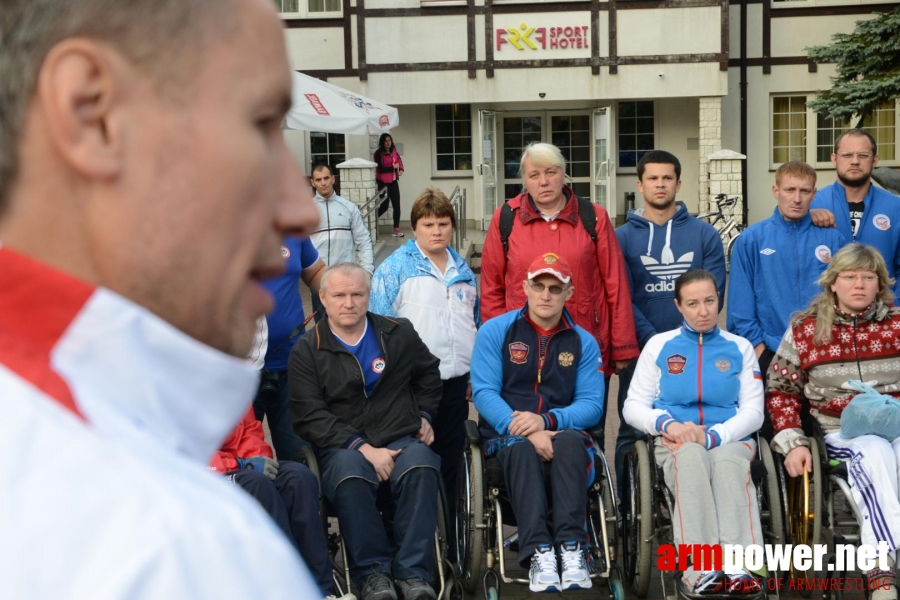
(144, 191)
(341, 233)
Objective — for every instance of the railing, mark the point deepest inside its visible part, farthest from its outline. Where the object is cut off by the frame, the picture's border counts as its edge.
(458, 200)
(369, 212)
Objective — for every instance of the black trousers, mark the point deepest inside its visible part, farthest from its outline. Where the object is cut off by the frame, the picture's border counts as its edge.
(292, 500)
(394, 197)
(523, 472)
(450, 435)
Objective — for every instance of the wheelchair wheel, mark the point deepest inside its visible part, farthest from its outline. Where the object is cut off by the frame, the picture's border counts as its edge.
(616, 589)
(636, 543)
(774, 518)
(470, 516)
(308, 457)
(805, 500)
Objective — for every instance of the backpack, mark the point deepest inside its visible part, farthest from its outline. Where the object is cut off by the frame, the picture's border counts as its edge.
(586, 216)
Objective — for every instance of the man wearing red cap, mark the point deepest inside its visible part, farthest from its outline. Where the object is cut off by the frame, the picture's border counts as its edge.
(537, 382)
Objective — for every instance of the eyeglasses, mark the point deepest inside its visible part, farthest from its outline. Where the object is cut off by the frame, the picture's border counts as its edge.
(859, 155)
(853, 278)
(539, 287)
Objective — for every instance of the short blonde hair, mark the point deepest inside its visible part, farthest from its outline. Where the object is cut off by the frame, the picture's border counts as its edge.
(541, 155)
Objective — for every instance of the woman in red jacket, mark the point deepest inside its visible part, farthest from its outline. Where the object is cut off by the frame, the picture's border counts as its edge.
(388, 169)
(547, 219)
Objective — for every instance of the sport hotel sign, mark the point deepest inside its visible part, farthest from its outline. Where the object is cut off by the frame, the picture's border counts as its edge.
(550, 35)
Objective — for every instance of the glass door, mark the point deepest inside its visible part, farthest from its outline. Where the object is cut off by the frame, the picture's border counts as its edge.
(518, 132)
(488, 167)
(571, 133)
(602, 165)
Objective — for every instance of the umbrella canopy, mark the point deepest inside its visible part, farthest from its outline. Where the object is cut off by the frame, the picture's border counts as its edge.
(321, 106)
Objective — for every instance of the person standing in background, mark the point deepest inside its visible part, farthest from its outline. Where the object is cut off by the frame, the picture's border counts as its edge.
(388, 170)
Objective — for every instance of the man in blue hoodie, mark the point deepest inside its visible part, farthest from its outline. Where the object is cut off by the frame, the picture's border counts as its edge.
(861, 211)
(776, 263)
(660, 242)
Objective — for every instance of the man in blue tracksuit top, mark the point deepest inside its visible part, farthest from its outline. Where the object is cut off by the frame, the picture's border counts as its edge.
(660, 242)
(537, 382)
(862, 212)
(776, 263)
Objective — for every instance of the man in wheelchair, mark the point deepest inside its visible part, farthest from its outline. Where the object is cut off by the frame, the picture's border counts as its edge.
(364, 390)
(537, 382)
(698, 390)
(850, 331)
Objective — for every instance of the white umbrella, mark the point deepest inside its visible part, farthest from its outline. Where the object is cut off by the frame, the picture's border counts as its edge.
(321, 106)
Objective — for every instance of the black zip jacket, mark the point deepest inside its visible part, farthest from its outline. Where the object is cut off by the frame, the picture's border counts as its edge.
(329, 407)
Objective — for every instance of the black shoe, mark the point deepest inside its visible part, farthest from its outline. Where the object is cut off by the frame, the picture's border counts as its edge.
(378, 586)
(415, 589)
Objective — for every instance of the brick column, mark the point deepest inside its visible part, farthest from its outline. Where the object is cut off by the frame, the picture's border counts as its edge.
(710, 141)
(357, 186)
(725, 168)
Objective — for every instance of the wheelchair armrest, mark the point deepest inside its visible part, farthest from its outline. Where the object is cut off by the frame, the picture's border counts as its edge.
(597, 432)
(473, 436)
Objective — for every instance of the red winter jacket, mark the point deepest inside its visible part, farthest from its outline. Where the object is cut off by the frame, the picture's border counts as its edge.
(246, 441)
(602, 300)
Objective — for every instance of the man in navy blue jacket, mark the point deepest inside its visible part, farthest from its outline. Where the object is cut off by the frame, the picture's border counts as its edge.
(776, 263)
(537, 382)
(660, 242)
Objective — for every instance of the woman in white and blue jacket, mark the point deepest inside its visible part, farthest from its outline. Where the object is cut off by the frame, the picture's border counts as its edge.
(429, 283)
(699, 390)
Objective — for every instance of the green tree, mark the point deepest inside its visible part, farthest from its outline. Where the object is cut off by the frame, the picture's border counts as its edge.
(868, 68)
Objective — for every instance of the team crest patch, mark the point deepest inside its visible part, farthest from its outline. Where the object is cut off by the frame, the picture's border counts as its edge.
(882, 222)
(285, 252)
(518, 353)
(823, 253)
(378, 365)
(676, 364)
(566, 359)
(723, 364)
(550, 258)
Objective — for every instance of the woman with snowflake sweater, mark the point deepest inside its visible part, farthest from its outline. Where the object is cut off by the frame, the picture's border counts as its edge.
(850, 331)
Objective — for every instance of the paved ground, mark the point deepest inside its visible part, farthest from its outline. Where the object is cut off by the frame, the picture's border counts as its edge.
(520, 592)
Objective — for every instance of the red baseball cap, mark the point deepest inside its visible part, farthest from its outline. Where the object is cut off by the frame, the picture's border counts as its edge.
(550, 263)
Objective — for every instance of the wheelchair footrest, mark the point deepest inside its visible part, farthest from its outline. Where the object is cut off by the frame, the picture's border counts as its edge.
(683, 592)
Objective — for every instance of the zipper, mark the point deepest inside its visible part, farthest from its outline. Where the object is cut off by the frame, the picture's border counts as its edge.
(700, 379)
(855, 347)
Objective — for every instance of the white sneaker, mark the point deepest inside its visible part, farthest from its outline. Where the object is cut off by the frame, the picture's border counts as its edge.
(344, 597)
(544, 571)
(575, 574)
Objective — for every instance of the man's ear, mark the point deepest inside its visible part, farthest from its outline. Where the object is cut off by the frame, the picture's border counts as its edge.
(77, 89)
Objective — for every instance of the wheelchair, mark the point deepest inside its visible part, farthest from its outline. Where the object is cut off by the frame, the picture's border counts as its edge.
(812, 503)
(483, 508)
(648, 514)
(446, 585)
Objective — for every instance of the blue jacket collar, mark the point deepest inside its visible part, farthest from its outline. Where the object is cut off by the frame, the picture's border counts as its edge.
(801, 225)
(424, 265)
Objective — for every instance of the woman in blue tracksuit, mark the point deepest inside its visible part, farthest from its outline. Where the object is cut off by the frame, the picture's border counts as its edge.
(699, 390)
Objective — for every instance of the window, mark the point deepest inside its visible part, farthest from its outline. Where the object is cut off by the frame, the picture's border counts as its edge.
(800, 134)
(788, 128)
(326, 149)
(309, 8)
(453, 137)
(882, 124)
(827, 130)
(637, 128)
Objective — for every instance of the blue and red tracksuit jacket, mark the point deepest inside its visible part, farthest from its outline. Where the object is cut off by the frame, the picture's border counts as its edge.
(564, 384)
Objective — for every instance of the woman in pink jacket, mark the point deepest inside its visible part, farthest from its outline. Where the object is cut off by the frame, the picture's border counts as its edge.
(388, 169)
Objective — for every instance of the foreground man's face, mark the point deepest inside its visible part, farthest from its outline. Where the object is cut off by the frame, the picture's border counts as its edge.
(218, 189)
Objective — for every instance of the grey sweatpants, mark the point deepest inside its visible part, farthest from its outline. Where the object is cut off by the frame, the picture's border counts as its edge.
(715, 501)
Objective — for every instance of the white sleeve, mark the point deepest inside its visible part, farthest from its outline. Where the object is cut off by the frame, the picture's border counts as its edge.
(749, 416)
(257, 354)
(638, 410)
